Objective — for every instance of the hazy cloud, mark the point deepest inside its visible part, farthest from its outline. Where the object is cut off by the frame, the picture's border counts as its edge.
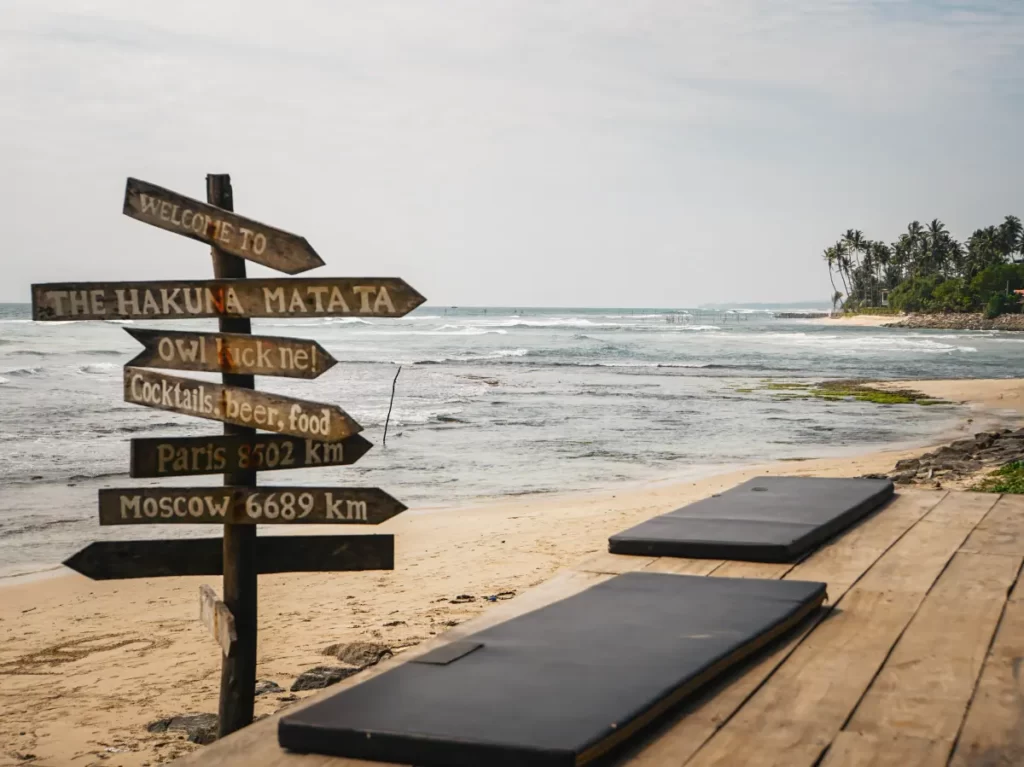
(566, 153)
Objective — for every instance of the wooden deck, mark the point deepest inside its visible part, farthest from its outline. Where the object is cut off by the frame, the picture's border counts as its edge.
(917, 661)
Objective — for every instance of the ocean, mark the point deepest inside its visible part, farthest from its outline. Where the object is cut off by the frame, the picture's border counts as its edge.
(489, 402)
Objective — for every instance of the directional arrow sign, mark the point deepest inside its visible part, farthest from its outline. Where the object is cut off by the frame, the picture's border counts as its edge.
(107, 560)
(243, 407)
(230, 353)
(247, 505)
(189, 456)
(195, 299)
(232, 233)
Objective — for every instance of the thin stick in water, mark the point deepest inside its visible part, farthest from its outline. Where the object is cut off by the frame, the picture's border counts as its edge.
(390, 405)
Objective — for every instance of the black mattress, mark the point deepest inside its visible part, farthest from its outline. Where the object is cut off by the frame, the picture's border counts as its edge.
(766, 519)
(558, 686)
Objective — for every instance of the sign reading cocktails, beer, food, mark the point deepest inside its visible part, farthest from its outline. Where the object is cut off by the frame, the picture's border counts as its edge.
(302, 434)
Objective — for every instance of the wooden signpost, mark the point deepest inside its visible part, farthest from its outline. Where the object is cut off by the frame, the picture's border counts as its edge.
(230, 353)
(220, 227)
(305, 434)
(247, 506)
(237, 405)
(199, 299)
(114, 560)
(191, 456)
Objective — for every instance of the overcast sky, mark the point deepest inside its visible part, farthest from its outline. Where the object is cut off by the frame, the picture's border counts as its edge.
(510, 152)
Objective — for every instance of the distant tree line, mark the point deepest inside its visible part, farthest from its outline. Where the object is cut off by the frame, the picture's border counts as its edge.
(927, 270)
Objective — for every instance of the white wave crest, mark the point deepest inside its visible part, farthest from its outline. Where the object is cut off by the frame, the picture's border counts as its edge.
(98, 368)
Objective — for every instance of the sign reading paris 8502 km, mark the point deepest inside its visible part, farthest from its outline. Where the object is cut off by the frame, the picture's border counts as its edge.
(154, 457)
(242, 407)
(262, 505)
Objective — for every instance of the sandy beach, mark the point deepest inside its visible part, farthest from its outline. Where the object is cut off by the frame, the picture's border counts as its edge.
(856, 320)
(85, 666)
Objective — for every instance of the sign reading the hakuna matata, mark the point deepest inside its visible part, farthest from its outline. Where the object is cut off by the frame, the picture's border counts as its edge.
(196, 299)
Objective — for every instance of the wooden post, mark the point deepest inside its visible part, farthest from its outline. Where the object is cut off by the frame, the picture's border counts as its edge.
(238, 672)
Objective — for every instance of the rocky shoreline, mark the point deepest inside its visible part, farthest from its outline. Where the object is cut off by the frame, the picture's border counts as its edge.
(966, 460)
(965, 321)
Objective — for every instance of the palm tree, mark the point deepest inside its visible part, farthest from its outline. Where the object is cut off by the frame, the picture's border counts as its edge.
(934, 238)
(830, 256)
(1010, 235)
(914, 235)
(843, 261)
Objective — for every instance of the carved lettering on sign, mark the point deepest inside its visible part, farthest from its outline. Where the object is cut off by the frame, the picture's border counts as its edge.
(181, 456)
(241, 506)
(244, 407)
(230, 353)
(227, 230)
(327, 297)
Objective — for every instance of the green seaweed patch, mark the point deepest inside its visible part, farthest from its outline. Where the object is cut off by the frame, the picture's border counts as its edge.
(786, 386)
(860, 392)
(1006, 479)
(743, 391)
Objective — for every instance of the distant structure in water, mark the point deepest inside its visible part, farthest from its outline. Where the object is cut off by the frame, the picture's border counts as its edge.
(704, 316)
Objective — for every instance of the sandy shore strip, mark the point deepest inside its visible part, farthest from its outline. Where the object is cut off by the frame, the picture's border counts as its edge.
(85, 666)
(854, 320)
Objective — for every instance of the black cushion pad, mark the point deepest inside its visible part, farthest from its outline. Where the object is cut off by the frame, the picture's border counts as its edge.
(766, 519)
(560, 685)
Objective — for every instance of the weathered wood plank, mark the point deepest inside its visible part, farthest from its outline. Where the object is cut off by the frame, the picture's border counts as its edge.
(846, 559)
(839, 564)
(241, 407)
(763, 570)
(218, 620)
(993, 730)
(216, 226)
(856, 750)
(112, 560)
(681, 565)
(604, 562)
(793, 717)
(154, 457)
(924, 687)
(196, 299)
(265, 505)
(1002, 530)
(238, 672)
(238, 353)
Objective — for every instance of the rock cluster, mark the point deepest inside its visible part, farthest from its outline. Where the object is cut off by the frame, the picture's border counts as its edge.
(321, 676)
(199, 728)
(962, 459)
(960, 321)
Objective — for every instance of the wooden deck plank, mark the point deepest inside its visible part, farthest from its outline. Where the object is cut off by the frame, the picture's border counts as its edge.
(993, 731)
(1002, 530)
(683, 566)
(765, 570)
(606, 562)
(808, 698)
(838, 564)
(924, 687)
(847, 558)
(924, 556)
(854, 749)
